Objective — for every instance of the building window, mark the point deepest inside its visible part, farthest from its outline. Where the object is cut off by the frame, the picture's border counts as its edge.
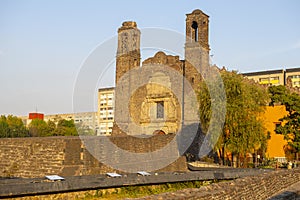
(160, 110)
(295, 76)
(296, 83)
(263, 79)
(274, 78)
(195, 27)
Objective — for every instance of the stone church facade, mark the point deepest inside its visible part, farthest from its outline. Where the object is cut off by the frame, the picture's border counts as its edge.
(149, 98)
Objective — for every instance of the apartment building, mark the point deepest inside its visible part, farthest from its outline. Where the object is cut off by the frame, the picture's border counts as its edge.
(105, 110)
(293, 77)
(290, 77)
(85, 119)
(271, 77)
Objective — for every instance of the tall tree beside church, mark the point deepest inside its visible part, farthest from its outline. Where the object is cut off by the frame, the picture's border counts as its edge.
(243, 132)
(290, 126)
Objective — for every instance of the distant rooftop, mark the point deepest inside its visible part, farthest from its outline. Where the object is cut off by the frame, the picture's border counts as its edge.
(106, 89)
(277, 71)
(263, 72)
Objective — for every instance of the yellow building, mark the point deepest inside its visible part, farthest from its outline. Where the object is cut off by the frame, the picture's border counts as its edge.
(290, 77)
(271, 77)
(276, 143)
(293, 77)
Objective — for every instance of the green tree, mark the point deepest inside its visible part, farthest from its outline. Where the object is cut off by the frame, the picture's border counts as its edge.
(84, 130)
(51, 127)
(66, 128)
(38, 128)
(12, 126)
(290, 126)
(243, 131)
(4, 129)
(278, 95)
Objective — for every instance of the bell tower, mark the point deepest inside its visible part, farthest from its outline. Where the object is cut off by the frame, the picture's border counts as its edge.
(196, 46)
(127, 59)
(128, 53)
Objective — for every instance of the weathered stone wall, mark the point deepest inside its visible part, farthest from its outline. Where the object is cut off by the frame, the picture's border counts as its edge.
(251, 188)
(66, 156)
(31, 157)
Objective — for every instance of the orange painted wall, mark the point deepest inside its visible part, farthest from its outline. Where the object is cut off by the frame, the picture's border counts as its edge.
(276, 143)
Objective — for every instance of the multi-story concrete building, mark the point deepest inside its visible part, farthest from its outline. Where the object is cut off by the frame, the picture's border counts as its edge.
(271, 77)
(105, 110)
(293, 77)
(85, 119)
(88, 120)
(33, 115)
(290, 77)
(57, 117)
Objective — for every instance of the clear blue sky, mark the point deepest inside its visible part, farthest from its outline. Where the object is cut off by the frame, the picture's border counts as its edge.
(44, 43)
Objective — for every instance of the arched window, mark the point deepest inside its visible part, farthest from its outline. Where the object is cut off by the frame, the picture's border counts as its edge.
(195, 30)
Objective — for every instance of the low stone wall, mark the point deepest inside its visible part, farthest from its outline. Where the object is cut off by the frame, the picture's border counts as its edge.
(66, 156)
(251, 188)
(98, 184)
(259, 186)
